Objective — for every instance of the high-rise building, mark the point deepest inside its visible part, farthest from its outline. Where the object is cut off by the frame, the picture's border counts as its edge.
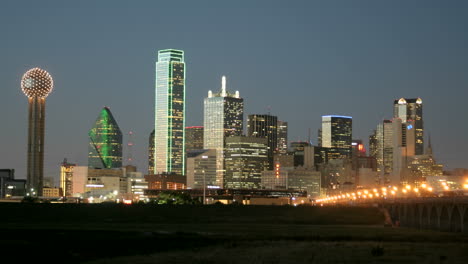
(105, 142)
(282, 137)
(387, 149)
(223, 118)
(373, 144)
(337, 133)
(151, 153)
(201, 169)
(412, 110)
(264, 126)
(169, 135)
(66, 178)
(36, 85)
(298, 150)
(193, 138)
(246, 158)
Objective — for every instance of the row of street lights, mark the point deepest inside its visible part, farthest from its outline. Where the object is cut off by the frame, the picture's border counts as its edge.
(385, 192)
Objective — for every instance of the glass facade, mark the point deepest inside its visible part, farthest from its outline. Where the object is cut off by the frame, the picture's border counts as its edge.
(223, 118)
(151, 153)
(66, 178)
(105, 142)
(337, 133)
(282, 137)
(169, 135)
(412, 110)
(264, 126)
(246, 158)
(193, 138)
(387, 150)
(201, 169)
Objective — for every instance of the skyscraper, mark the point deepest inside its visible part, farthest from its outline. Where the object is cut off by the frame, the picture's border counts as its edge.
(282, 137)
(246, 158)
(223, 117)
(264, 126)
(36, 85)
(169, 135)
(412, 110)
(193, 138)
(151, 153)
(105, 142)
(66, 178)
(337, 133)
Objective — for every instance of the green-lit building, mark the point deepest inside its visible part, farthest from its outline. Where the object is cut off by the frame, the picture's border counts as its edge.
(105, 142)
(169, 133)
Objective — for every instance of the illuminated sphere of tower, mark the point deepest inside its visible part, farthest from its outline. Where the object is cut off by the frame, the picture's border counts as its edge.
(37, 83)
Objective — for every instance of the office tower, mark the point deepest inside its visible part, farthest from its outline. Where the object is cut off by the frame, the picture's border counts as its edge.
(223, 118)
(412, 110)
(373, 144)
(319, 137)
(201, 169)
(193, 138)
(245, 159)
(403, 147)
(282, 137)
(264, 126)
(169, 135)
(105, 142)
(298, 150)
(294, 179)
(337, 134)
(151, 153)
(9, 186)
(36, 85)
(387, 148)
(66, 178)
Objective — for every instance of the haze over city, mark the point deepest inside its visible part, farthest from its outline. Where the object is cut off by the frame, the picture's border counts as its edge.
(298, 61)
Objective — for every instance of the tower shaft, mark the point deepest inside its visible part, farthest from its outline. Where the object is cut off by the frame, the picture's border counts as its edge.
(36, 127)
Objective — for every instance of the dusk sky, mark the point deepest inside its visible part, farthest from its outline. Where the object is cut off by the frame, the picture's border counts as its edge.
(301, 59)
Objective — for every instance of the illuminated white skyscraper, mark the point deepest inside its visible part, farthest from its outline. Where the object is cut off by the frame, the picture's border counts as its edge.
(223, 117)
(169, 133)
(411, 110)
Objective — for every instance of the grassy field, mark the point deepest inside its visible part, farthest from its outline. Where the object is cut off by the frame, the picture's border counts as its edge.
(110, 233)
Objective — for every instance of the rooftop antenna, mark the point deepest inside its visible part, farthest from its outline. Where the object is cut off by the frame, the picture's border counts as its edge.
(223, 86)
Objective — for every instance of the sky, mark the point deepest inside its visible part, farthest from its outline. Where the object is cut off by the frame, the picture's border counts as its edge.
(298, 60)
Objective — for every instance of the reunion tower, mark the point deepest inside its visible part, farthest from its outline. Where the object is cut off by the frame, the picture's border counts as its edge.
(36, 85)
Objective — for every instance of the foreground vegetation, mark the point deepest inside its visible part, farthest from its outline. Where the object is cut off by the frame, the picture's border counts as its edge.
(113, 233)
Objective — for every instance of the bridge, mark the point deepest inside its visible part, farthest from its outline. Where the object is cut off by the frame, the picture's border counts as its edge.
(449, 214)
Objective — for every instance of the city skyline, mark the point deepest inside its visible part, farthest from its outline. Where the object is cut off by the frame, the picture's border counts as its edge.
(439, 88)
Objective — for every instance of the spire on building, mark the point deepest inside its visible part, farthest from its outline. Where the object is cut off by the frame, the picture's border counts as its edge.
(223, 86)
